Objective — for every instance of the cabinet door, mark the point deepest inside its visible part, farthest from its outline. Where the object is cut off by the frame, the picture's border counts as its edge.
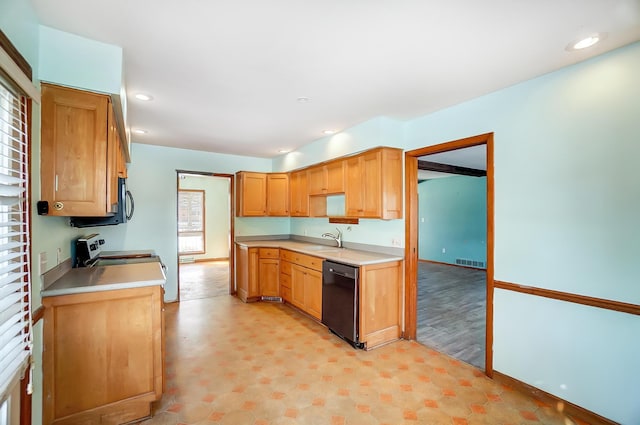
(251, 196)
(313, 293)
(254, 274)
(354, 195)
(298, 285)
(335, 176)
(74, 152)
(299, 190)
(269, 270)
(317, 180)
(242, 272)
(247, 273)
(113, 340)
(371, 168)
(278, 194)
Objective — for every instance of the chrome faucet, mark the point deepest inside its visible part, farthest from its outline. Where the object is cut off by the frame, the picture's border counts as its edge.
(337, 237)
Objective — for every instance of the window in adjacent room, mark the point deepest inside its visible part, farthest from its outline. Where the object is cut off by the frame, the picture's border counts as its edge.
(191, 222)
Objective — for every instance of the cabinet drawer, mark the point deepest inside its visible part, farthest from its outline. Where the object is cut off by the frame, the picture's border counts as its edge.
(285, 280)
(285, 267)
(308, 261)
(269, 253)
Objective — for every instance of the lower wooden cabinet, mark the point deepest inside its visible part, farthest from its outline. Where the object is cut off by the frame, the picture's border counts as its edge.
(257, 273)
(269, 275)
(380, 303)
(103, 356)
(247, 282)
(297, 279)
(306, 281)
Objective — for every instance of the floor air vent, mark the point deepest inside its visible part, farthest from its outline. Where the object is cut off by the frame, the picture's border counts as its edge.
(470, 263)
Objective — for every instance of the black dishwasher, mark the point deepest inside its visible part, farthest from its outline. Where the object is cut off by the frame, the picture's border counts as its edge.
(340, 300)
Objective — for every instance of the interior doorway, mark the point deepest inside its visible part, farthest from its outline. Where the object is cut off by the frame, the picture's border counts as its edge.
(205, 233)
(412, 223)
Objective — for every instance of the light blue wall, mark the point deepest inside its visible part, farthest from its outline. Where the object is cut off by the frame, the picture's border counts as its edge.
(452, 216)
(566, 218)
(75, 61)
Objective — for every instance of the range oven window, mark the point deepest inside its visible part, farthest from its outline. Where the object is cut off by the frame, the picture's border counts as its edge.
(191, 234)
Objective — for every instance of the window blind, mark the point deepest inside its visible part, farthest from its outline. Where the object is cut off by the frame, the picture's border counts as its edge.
(15, 313)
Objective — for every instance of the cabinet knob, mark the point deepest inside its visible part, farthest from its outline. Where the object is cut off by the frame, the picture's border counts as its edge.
(58, 206)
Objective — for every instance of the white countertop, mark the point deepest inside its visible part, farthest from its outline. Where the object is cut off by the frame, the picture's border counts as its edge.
(342, 255)
(107, 278)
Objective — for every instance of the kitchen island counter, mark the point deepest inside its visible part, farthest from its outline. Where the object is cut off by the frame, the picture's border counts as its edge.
(107, 278)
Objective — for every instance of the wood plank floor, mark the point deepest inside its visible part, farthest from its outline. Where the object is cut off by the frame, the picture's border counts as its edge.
(452, 311)
(204, 280)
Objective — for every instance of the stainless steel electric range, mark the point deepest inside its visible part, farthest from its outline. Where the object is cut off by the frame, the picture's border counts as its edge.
(89, 253)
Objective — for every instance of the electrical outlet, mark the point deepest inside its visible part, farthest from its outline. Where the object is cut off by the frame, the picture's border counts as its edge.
(58, 256)
(306, 232)
(395, 242)
(444, 250)
(422, 219)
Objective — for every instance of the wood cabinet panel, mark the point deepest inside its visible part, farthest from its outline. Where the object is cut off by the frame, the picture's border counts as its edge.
(247, 273)
(269, 252)
(380, 303)
(269, 275)
(299, 194)
(113, 340)
(278, 194)
(374, 184)
(304, 260)
(335, 172)
(327, 179)
(298, 286)
(313, 293)
(74, 152)
(317, 180)
(251, 196)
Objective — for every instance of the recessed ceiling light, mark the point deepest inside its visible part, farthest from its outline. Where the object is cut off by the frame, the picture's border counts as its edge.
(329, 132)
(145, 97)
(284, 150)
(585, 42)
(140, 131)
(303, 99)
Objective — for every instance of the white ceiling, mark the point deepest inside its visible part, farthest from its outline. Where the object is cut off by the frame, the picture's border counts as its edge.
(226, 75)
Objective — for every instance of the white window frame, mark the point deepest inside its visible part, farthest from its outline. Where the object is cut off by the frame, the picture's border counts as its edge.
(193, 229)
(16, 92)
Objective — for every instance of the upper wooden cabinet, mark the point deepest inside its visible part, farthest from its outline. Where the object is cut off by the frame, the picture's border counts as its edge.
(371, 183)
(278, 194)
(299, 194)
(80, 145)
(374, 184)
(327, 179)
(251, 196)
(262, 194)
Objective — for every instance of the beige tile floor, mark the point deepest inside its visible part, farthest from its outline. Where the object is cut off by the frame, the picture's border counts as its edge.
(264, 363)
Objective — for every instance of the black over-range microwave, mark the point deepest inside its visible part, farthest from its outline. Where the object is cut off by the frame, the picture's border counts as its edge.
(125, 210)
